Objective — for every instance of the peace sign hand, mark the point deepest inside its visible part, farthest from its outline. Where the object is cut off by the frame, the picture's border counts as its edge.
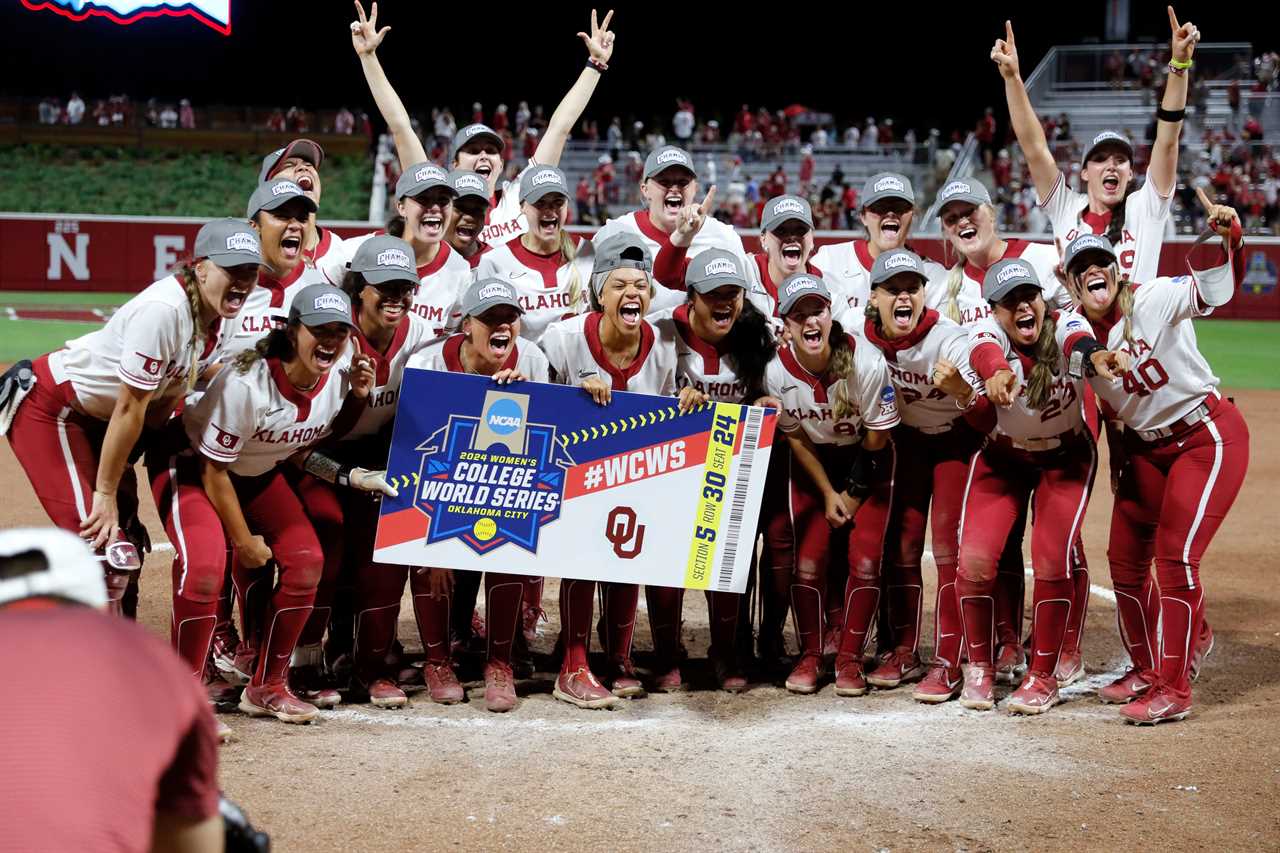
(1005, 54)
(690, 219)
(365, 35)
(600, 42)
(1184, 39)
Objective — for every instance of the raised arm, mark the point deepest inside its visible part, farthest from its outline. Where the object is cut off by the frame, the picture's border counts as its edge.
(1163, 169)
(365, 38)
(600, 48)
(1026, 124)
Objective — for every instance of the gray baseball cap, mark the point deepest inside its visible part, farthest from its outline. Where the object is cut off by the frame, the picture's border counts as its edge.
(302, 148)
(1108, 137)
(889, 264)
(317, 304)
(623, 250)
(421, 177)
(273, 194)
(1088, 244)
(796, 287)
(714, 268)
(666, 157)
(228, 243)
(540, 181)
(1004, 276)
(466, 183)
(472, 132)
(488, 293)
(785, 208)
(384, 258)
(966, 189)
(884, 185)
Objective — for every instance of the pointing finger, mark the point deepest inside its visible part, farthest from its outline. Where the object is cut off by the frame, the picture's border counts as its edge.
(1008, 29)
(1173, 20)
(1204, 199)
(373, 15)
(708, 201)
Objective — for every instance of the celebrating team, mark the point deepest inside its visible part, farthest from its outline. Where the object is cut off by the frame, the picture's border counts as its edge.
(260, 380)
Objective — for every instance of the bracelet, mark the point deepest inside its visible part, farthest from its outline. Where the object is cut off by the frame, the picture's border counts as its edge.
(1179, 72)
(597, 65)
(1171, 115)
(1176, 63)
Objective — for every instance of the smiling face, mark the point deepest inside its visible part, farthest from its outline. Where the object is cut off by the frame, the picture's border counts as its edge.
(468, 219)
(546, 217)
(666, 192)
(1107, 174)
(383, 306)
(713, 314)
(900, 301)
(483, 157)
(624, 299)
(223, 290)
(970, 228)
(318, 347)
(425, 215)
(281, 232)
(1021, 314)
(789, 246)
(492, 335)
(302, 173)
(1095, 284)
(809, 323)
(888, 222)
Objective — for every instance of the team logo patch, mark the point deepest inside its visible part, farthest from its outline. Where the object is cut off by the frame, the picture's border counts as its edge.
(547, 176)
(329, 302)
(394, 258)
(429, 173)
(673, 155)
(787, 205)
(901, 259)
(1108, 136)
(150, 365)
(468, 182)
(285, 188)
(889, 183)
(1012, 271)
(493, 479)
(497, 290)
(887, 399)
(476, 128)
(721, 266)
(242, 241)
(226, 440)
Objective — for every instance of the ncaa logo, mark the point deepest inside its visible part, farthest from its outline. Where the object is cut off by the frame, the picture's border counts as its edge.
(504, 417)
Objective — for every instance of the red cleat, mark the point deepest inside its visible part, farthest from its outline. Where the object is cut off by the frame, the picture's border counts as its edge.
(442, 683)
(276, 700)
(900, 665)
(940, 685)
(729, 676)
(580, 687)
(1204, 647)
(623, 681)
(849, 678)
(314, 685)
(1127, 687)
(1070, 668)
(383, 693)
(499, 687)
(669, 682)
(1011, 663)
(1037, 694)
(805, 675)
(1161, 704)
(979, 691)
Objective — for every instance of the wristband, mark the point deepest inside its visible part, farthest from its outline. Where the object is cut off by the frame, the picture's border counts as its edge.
(1180, 64)
(1171, 115)
(1081, 361)
(343, 477)
(1178, 72)
(597, 65)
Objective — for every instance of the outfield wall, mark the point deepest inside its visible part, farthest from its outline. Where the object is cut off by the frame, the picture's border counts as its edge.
(126, 253)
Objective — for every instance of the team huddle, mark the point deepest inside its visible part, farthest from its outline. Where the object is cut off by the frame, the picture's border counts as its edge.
(258, 384)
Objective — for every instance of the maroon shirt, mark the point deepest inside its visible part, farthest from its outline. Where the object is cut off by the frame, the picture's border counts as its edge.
(102, 727)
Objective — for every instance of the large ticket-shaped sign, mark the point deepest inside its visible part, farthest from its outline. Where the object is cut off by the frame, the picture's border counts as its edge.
(538, 479)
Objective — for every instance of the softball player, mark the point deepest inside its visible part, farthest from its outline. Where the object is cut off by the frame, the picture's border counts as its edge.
(925, 354)
(490, 344)
(476, 147)
(611, 348)
(1039, 448)
(668, 187)
(1184, 452)
(888, 212)
(470, 210)
(270, 403)
(722, 344)
(76, 429)
(836, 405)
(542, 264)
(299, 161)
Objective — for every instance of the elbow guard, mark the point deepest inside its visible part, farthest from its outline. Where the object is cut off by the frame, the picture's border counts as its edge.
(865, 471)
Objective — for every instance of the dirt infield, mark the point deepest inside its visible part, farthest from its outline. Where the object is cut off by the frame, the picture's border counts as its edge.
(770, 771)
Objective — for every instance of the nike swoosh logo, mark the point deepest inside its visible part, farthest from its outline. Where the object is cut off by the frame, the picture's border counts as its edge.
(517, 273)
(978, 645)
(786, 388)
(274, 412)
(1045, 654)
(944, 636)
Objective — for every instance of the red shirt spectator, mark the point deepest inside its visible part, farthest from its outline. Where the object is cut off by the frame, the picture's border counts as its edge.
(806, 168)
(745, 121)
(986, 128)
(849, 198)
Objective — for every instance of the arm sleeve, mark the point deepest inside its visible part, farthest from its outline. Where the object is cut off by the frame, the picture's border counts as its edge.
(670, 266)
(986, 350)
(956, 351)
(230, 420)
(149, 342)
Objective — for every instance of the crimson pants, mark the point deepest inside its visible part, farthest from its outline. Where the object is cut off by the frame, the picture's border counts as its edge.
(1172, 498)
(273, 509)
(1001, 481)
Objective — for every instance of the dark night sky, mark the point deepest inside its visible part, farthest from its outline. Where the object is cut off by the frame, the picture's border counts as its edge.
(920, 63)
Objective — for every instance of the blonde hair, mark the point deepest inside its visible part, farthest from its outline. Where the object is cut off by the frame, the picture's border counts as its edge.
(841, 366)
(1048, 357)
(1124, 298)
(187, 275)
(569, 254)
(955, 275)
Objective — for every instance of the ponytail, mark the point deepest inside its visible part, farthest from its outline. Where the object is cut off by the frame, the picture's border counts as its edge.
(568, 254)
(1048, 357)
(186, 274)
(1124, 301)
(841, 367)
(277, 344)
(751, 343)
(955, 281)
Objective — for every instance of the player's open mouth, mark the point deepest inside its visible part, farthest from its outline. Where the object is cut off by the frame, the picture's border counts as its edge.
(432, 224)
(902, 316)
(233, 299)
(549, 225)
(1097, 283)
(392, 309)
(1026, 325)
(791, 253)
(630, 313)
(1111, 183)
(812, 338)
(672, 202)
(499, 344)
(722, 317)
(291, 246)
(968, 232)
(890, 227)
(484, 170)
(325, 356)
(306, 183)
(467, 231)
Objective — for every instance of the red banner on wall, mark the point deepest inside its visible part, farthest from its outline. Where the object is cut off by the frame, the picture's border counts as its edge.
(126, 253)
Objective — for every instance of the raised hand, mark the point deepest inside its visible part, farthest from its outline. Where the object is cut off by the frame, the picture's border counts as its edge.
(946, 377)
(1002, 389)
(690, 219)
(1111, 364)
(1222, 219)
(1004, 53)
(600, 42)
(362, 375)
(1182, 43)
(365, 35)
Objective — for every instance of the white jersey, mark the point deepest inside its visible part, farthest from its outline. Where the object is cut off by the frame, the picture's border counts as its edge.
(846, 269)
(445, 354)
(146, 345)
(318, 257)
(255, 420)
(411, 335)
(543, 284)
(762, 290)
(1169, 377)
(576, 353)
(1064, 411)
(1042, 257)
(267, 305)
(698, 363)
(714, 234)
(807, 400)
(910, 362)
(1145, 214)
(505, 221)
(441, 283)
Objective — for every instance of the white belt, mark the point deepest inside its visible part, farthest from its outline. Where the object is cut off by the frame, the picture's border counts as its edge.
(934, 430)
(1195, 416)
(1036, 444)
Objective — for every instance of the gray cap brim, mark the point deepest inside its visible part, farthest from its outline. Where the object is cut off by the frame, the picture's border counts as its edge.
(304, 148)
(264, 198)
(887, 185)
(710, 283)
(792, 208)
(668, 157)
(234, 259)
(1108, 138)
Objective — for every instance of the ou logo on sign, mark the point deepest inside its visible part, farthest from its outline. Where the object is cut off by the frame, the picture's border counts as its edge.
(620, 528)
